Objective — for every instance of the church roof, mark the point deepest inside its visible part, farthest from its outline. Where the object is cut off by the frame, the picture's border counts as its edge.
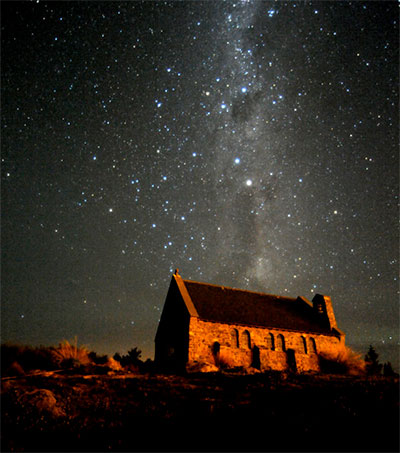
(236, 306)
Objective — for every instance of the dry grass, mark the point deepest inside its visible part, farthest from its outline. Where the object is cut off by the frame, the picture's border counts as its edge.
(224, 360)
(113, 364)
(72, 353)
(121, 413)
(343, 360)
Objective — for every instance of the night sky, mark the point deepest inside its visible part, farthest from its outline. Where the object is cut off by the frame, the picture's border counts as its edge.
(251, 144)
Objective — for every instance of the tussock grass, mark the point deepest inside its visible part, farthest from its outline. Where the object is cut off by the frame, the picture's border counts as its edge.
(342, 361)
(71, 354)
(223, 360)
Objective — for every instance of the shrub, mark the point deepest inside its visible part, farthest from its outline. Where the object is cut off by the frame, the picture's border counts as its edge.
(113, 364)
(388, 370)
(342, 361)
(15, 369)
(27, 358)
(98, 359)
(130, 361)
(69, 355)
(223, 360)
(373, 367)
(10, 354)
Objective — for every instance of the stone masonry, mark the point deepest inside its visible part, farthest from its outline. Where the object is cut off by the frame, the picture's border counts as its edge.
(260, 330)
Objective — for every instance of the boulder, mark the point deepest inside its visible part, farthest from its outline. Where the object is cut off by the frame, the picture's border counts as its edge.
(43, 401)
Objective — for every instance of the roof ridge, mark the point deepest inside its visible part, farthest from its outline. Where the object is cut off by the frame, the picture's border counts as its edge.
(239, 289)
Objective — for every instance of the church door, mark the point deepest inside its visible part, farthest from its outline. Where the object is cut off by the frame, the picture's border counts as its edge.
(256, 357)
(291, 360)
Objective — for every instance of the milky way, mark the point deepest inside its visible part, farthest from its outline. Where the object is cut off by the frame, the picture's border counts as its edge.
(251, 144)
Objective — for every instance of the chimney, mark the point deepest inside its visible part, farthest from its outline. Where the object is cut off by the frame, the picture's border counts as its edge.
(323, 308)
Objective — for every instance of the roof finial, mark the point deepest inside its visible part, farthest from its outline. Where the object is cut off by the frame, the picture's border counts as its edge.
(176, 271)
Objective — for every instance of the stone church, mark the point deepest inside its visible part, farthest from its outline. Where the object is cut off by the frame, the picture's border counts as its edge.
(203, 323)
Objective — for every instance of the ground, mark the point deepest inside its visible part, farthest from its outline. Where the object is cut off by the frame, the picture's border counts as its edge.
(199, 412)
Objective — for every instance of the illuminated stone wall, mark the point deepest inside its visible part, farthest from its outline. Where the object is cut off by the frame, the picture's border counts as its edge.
(268, 349)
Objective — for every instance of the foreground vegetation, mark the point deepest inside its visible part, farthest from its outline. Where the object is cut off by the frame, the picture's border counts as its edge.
(18, 360)
(204, 412)
(69, 399)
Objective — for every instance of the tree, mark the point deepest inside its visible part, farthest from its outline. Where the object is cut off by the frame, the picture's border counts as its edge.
(388, 369)
(131, 359)
(134, 356)
(372, 365)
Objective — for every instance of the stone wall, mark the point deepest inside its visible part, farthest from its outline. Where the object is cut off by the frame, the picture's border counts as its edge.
(238, 345)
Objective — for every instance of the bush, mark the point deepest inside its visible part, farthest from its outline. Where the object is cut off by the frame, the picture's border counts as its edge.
(113, 364)
(131, 360)
(388, 370)
(373, 367)
(223, 360)
(342, 361)
(15, 369)
(69, 355)
(98, 359)
(27, 359)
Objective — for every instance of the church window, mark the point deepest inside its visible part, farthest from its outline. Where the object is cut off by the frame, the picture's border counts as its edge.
(246, 339)
(280, 343)
(270, 341)
(303, 345)
(235, 338)
(313, 346)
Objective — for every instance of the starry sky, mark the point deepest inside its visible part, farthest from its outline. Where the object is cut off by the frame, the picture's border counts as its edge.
(251, 144)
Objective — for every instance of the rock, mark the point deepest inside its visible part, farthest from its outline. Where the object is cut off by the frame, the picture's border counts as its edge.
(202, 367)
(252, 370)
(42, 401)
(15, 369)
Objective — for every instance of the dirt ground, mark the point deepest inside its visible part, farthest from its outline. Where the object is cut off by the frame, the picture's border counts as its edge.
(201, 412)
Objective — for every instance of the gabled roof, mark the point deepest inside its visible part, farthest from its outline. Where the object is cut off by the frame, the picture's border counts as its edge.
(236, 306)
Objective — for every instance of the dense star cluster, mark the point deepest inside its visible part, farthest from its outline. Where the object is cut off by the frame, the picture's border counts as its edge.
(250, 143)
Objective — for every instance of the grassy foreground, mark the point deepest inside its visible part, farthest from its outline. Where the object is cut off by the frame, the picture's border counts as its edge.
(209, 412)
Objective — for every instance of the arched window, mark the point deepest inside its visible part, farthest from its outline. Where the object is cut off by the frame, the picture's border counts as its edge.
(313, 346)
(303, 345)
(270, 341)
(235, 338)
(280, 343)
(246, 341)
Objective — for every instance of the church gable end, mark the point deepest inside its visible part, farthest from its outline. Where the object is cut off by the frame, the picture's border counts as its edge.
(171, 342)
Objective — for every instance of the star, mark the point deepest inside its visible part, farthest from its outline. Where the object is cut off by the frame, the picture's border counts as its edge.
(220, 149)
